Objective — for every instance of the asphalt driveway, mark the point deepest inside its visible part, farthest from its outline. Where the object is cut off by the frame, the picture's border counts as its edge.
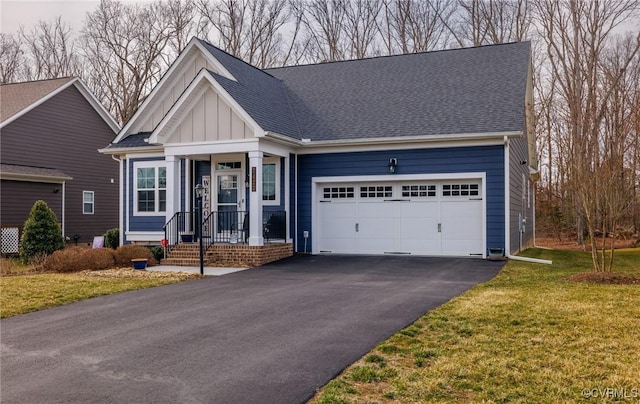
(273, 334)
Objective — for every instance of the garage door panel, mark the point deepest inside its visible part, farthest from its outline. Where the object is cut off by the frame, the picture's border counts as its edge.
(421, 218)
(337, 227)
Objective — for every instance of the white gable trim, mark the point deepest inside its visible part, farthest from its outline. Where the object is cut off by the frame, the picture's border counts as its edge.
(86, 93)
(195, 89)
(176, 68)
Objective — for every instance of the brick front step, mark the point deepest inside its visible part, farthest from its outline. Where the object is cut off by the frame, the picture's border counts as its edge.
(183, 262)
(228, 255)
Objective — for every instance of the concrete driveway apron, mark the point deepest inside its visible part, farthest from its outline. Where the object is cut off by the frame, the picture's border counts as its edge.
(273, 334)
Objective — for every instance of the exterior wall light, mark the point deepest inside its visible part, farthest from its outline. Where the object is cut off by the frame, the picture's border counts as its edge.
(393, 165)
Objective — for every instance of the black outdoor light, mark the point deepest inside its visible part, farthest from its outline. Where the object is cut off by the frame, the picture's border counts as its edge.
(393, 164)
(199, 195)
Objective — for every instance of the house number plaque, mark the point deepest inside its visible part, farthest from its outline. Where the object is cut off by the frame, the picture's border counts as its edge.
(253, 179)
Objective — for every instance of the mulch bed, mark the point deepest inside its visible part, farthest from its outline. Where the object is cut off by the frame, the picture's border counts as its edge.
(604, 278)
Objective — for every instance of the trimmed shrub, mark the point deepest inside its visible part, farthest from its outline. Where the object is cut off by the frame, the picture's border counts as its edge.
(112, 238)
(41, 233)
(125, 253)
(76, 259)
(157, 252)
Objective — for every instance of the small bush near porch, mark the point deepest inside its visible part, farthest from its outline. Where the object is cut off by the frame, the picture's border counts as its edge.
(529, 335)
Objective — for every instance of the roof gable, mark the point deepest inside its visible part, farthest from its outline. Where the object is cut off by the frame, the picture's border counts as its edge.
(207, 111)
(175, 81)
(19, 98)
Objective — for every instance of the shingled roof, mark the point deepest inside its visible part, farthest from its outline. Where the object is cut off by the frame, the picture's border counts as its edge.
(16, 97)
(461, 91)
(451, 92)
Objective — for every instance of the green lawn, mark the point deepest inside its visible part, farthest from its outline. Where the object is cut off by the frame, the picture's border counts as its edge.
(25, 293)
(527, 336)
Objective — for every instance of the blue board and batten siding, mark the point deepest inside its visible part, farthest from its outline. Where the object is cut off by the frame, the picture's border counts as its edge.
(487, 159)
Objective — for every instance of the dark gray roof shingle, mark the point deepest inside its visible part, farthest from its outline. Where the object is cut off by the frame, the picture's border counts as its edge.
(133, 140)
(472, 90)
(459, 91)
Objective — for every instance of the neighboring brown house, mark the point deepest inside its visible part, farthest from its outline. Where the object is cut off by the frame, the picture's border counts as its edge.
(50, 131)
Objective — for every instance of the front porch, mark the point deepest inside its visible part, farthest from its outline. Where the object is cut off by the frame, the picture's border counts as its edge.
(225, 238)
(227, 255)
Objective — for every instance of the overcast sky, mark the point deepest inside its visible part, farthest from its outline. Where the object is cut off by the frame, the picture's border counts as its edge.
(14, 13)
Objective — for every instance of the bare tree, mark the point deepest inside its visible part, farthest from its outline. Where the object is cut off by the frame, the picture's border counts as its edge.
(323, 25)
(576, 34)
(51, 49)
(361, 26)
(249, 29)
(122, 46)
(12, 59)
(482, 22)
(182, 20)
(409, 26)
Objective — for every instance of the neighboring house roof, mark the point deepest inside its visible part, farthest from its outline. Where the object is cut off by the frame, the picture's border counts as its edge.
(19, 98)
(30, 173)
(470, 91)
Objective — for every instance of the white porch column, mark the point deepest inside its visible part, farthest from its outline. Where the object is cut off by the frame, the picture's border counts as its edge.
(255, 205)
(287, 196)
(173, 186)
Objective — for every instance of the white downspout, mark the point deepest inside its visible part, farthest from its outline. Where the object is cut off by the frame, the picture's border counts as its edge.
(64, 192)
(120, 199)
(295, 202)
(507, 205)
(287, 196)
(527, 259)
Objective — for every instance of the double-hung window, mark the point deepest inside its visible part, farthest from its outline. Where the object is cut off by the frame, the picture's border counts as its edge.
(271, 181)
(151, 188)
(88, 201)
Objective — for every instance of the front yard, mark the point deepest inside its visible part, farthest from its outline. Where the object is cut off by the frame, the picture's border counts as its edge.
(529, 335)
(30, 292)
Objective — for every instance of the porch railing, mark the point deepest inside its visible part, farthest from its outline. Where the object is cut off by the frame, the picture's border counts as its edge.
(181, 225)
(222, 227)
(226, 227)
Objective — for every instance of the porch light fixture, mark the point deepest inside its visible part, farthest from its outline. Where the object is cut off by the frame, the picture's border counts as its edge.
(199, 195)
(393, 165)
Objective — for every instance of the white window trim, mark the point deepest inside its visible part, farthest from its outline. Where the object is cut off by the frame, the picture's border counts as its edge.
(276, 161)
(93, 202)
(147, 164)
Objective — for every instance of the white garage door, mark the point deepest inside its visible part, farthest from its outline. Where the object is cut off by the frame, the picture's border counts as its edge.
(412, 217)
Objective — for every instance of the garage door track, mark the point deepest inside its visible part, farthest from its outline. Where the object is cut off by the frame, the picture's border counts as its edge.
(273, 334)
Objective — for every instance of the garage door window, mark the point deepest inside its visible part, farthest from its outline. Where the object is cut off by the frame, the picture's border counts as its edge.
(419, 191)
(376, 191)
(338, 192)
(460, 190)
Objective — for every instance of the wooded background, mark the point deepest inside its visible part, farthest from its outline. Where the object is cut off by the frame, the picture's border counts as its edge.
(586, 60)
